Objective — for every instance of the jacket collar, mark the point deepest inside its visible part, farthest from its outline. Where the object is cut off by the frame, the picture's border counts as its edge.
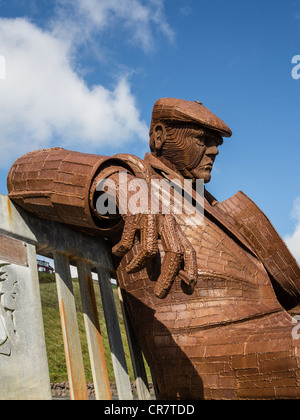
(212, 212)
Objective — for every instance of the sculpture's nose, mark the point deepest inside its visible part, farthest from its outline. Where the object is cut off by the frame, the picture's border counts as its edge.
(212, 150)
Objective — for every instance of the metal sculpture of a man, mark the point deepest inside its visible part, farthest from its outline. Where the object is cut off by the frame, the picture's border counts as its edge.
(208, 301)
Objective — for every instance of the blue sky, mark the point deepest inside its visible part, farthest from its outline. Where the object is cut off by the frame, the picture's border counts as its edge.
(84, 74)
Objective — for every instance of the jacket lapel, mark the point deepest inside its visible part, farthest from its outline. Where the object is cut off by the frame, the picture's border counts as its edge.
(212, 212)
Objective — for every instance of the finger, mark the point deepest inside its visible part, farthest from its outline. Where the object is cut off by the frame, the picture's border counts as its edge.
(169, 234)
(128, 235)
(190, 273)
(149, 244)
(170, 267)
(173, 255)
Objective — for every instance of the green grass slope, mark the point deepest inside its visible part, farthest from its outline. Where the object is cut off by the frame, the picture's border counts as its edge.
(53, 332)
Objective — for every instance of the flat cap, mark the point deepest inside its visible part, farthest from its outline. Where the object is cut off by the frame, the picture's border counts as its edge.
(178, 110)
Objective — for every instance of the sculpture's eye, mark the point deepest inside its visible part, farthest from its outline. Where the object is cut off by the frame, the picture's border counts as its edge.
(200, 141)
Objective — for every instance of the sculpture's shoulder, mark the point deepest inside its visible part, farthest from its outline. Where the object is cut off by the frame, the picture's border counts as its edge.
(242, 210)
(257, 229)
(250, 220)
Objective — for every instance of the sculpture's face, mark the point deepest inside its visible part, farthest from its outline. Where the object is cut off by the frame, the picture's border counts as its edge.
(203, 149)
(193, 150)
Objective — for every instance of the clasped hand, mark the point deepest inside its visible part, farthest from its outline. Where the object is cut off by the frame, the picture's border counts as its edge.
(180, 256)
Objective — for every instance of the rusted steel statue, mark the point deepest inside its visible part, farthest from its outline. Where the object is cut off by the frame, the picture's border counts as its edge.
(208, 301)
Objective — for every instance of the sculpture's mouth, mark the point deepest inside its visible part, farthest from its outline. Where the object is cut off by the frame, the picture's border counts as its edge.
(208, 166)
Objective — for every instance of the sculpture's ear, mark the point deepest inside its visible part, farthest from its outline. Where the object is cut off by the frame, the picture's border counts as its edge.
(159, 135)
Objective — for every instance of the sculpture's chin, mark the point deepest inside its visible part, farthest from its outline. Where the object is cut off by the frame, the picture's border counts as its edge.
(202, 174)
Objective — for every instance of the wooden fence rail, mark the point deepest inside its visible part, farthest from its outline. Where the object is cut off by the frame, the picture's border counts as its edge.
(24, 370)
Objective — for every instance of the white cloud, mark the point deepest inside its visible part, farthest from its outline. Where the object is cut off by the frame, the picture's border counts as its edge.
(43, 97)
(136, 17)
(293, 240)
(44, 101)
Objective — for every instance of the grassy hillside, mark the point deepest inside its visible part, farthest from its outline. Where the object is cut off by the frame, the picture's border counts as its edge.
(54, 340)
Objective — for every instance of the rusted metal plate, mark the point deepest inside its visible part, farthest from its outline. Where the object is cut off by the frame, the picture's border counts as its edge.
(54, 184)
(13, 251)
